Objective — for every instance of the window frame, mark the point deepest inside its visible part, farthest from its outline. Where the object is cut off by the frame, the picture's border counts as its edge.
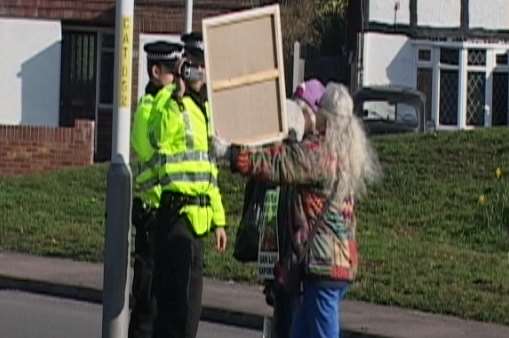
(490, 67)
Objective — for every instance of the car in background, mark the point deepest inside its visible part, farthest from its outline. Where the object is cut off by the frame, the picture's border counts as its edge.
(391, 109)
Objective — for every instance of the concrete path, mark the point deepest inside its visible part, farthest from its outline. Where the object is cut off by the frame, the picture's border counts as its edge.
(237, 304)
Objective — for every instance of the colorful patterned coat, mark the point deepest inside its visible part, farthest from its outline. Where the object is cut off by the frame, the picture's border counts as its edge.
(333, 251)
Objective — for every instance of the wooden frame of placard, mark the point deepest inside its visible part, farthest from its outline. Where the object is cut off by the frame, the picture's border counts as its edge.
(245, 75)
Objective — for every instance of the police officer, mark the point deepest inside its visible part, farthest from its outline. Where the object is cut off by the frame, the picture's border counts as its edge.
(162, 58)
(180, 129)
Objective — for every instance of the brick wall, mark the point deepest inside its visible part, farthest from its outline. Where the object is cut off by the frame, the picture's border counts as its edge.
(102, 12)
(26, 149)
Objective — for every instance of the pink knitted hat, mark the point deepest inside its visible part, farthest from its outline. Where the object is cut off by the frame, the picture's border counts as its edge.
(311, 92)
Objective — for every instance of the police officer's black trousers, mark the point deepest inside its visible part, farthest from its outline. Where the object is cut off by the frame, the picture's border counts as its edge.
(143, 301)
(178, 277)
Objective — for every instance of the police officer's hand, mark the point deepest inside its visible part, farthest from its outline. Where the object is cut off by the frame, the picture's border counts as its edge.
(221, 239)
(180, 87)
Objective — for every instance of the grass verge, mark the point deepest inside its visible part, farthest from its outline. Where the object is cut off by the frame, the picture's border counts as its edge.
(433, 235)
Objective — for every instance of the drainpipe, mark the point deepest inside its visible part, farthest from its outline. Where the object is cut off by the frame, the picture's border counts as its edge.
(360, 61)
(360, 46)
(189, 16)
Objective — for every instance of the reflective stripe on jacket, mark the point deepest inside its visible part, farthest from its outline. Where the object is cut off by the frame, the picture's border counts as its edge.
(181, 134)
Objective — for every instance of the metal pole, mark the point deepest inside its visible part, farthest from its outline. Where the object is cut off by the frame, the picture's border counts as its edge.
(298, 66)
(189, 16)
(116, 285)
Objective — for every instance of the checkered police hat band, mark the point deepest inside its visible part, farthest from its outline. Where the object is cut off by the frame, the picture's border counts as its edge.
(175, 55)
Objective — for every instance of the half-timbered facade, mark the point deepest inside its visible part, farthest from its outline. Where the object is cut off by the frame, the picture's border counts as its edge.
(455, 51)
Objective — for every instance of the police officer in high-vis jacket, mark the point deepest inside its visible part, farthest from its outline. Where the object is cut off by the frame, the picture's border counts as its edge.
(162, 58)
(181, 129)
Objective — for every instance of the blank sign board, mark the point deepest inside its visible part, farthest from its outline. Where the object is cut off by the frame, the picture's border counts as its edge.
(245, 75)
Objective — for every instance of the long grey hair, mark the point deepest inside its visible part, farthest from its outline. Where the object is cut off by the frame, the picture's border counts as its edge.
(345, 139)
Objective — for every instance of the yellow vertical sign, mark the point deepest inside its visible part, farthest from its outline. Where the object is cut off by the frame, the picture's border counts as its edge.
(125, 71)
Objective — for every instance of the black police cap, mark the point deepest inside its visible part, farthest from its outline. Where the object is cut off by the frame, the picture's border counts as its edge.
(193, 45)
(192, 40)
(162, 51)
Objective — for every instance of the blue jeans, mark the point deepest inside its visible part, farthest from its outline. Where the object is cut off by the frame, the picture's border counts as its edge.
(317, 312)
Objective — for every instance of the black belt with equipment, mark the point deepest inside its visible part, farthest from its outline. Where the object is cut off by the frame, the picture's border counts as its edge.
(173, 199)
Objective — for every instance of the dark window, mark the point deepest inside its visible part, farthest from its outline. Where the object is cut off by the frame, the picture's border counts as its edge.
(476, 57)
(449, 97)
(425, 85)
(105, 110)
(502, 59)
(424, 55)
(476, 91)
(106, 83)
(449, 56)
(500, 107)
(106, 71)
(104, 134)
(108, 40)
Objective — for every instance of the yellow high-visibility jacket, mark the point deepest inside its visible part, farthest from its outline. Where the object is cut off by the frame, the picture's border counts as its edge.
(146, 173)
(181, 133)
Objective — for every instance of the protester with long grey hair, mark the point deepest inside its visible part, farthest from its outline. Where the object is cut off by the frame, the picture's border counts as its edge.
(330, 169)
(345, 137)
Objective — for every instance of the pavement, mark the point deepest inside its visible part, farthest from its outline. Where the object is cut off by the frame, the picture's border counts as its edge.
(238, 304)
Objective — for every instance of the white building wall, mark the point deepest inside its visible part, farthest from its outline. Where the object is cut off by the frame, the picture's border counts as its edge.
(389, 59)
(30, 70)
(384, 11)
(491, 14)
(441, 13)
(142, 60)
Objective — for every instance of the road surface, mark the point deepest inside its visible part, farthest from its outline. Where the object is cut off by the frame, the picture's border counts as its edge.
(25, 315)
